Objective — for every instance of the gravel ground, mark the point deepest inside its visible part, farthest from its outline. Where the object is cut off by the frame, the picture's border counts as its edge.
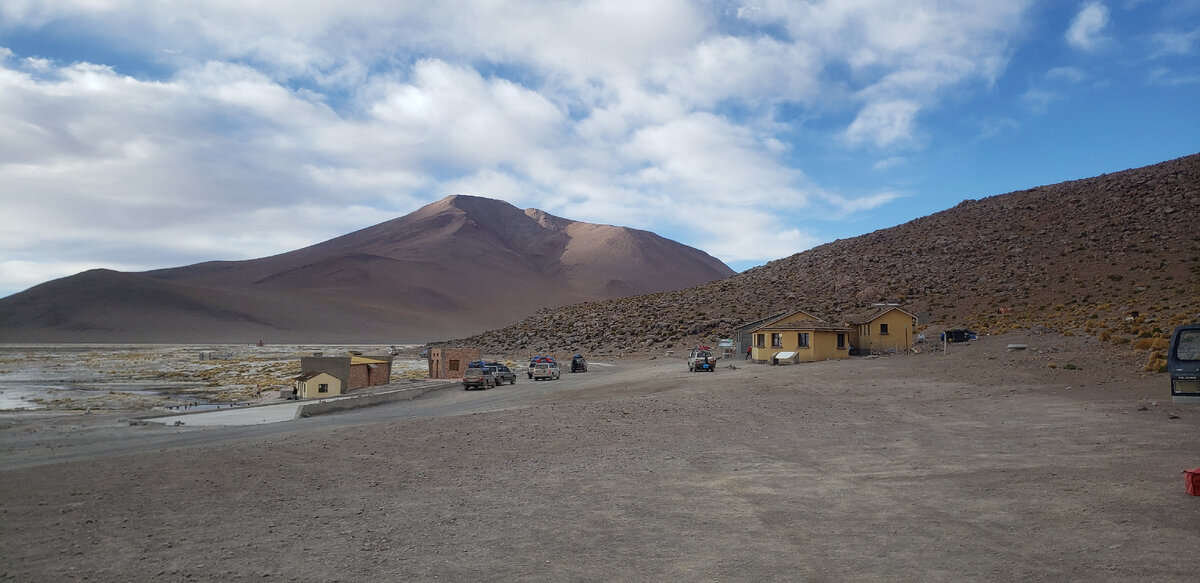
(981, 464)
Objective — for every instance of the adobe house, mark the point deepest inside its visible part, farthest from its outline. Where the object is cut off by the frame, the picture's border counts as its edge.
(355, 372)
(449, 363)
(885, 330)
(799, 337)
(314, 384)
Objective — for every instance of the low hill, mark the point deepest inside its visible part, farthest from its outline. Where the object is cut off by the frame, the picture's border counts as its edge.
(1115, 256)
(458, 266)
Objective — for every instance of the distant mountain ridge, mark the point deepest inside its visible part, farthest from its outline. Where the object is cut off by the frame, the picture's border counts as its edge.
(456, 266)
(1116, 256)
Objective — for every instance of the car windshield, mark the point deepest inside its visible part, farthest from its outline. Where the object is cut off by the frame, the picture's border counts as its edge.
(1188, 346)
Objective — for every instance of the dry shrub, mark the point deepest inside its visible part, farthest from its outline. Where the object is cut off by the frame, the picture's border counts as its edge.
(1156, 363)
(1151, 344)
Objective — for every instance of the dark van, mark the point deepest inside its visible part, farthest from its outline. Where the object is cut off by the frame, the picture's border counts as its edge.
(1183, 364)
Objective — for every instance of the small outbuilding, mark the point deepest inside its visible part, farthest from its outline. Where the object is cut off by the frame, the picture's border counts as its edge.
(315, 384)
(450, 363)
(888, 329)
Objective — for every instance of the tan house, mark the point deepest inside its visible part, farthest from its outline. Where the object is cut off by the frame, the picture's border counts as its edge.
(890, 329)
(799, 337)
(314, 384)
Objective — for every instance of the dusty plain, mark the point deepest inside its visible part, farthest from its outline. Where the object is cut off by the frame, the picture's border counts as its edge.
(981, 464)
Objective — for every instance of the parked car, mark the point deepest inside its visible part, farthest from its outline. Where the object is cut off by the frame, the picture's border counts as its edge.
(1183, 364)
(534, 360)
(545, 371)
(959, 335)
(505, 375)
(477, 377)
(578, 363)
(701, 359)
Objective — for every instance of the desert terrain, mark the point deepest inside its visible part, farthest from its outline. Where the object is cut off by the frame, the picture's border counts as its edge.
(977, 464)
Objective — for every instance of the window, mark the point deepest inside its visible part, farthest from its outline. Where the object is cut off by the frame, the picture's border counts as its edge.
(776, 340)
(883, 329)
(323, 388)
(841, 340)
(453, 364)
(802, 340)
(1188, 347)
(760, 340)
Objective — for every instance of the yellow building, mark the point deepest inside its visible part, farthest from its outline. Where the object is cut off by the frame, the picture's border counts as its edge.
(313, 385)
(799, 337)
(890, 329)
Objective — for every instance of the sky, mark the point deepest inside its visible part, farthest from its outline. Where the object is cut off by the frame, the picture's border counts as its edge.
(143, 134)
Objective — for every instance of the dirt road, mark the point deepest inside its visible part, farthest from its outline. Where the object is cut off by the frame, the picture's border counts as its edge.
(977, 465)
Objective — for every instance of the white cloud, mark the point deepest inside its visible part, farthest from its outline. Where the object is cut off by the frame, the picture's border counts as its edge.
(883, 124)
(1038, 100)
(1067, 74)
(888, 163)
(1087, 28)
(273, 124)
(1175, 43)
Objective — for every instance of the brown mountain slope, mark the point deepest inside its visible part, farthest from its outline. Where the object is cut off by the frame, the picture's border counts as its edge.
(1080, 257)
(457, 266)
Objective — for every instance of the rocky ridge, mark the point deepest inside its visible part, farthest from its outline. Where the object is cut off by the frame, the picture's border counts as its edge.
(1115, 256)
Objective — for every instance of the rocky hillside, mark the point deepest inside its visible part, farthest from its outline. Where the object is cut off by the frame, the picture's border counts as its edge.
(1115, 256)
(454, 267)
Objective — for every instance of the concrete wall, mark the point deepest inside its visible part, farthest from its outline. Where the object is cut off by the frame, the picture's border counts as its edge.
(366, 400)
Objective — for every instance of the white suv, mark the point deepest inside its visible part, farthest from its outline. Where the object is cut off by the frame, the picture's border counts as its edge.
(545, 370)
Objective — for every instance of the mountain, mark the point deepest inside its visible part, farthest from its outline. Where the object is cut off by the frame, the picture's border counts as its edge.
(1115, 256)
(458, 266)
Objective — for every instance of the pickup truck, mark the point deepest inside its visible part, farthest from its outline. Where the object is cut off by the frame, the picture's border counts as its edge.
(701, 358)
